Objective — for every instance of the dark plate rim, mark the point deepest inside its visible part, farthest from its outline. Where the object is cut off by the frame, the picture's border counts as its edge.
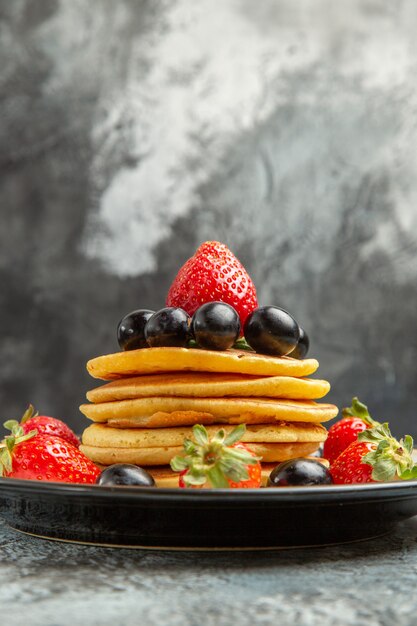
(300, 494)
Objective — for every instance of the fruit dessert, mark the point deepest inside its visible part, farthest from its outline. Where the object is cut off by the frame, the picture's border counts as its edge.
(211, 359)
(210, 391)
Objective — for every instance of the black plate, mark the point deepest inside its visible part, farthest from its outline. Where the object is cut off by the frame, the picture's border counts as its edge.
(206, 519)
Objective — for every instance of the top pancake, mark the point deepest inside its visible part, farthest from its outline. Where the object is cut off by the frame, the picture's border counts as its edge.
(159, 360)
(209, 385)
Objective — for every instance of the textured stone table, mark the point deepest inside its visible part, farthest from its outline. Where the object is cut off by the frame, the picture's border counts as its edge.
(55, 584)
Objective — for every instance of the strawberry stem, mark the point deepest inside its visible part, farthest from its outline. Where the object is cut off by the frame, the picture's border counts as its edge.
(390, 459)
(240, 344)
(214, 460)
(28, 414)
(358, 409)
(9, 442)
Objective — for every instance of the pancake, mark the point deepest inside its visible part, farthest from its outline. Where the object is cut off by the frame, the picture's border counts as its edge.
(209, 385)
(154, 412)
(269, 452)
(101, 435)
(158, 360)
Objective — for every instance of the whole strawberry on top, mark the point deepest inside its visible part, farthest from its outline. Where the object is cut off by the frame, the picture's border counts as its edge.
(213, 274)
(355, 420)
(44, 425)
(43, 457)
(220, 462)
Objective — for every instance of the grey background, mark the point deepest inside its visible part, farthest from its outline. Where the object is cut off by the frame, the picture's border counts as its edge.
(132, 131)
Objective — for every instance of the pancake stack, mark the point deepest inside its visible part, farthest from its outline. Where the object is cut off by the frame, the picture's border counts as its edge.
(156, 395)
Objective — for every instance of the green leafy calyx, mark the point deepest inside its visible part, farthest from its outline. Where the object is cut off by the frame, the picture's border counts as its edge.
(389, 458)
(9, 442)
(358, 409)
(240, 344)
(214, 460)
(28, 414)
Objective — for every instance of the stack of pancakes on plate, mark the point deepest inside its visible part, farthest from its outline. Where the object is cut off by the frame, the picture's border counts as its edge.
(156, 395)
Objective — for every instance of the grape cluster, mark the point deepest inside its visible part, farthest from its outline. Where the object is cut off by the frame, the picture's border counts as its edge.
(214, 326)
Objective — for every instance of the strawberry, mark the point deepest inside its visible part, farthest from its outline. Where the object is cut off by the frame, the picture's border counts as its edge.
(344, 432)
(375, 457)
(341, 435)
(213, 274)
(222, 462)
(349, 466)
(44, 425)
(46, 457)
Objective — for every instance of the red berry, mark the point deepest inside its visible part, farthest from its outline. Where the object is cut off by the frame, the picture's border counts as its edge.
(49, 458)
(213, 274)
(51, 426)
(348, 467)
(253, 482)
(341, 435)
(255, 474)
(386, 457)
(45, 425)
(221, 461)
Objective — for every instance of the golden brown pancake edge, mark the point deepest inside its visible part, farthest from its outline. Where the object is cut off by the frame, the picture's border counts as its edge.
(269, 452)
(101, 435)
(206, 385)
(221, 408)
(160, 360)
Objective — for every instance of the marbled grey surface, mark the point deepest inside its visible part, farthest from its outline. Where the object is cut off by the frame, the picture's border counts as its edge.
(364, 584)
(131, 131)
